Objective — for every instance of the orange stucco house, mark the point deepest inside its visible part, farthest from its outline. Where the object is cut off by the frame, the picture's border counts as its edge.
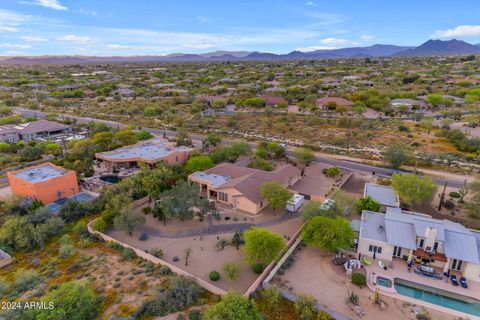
(150, 152)
(239, 186)
(46, 182)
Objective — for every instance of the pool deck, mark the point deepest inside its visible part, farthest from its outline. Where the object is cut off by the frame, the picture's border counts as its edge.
(400, 271)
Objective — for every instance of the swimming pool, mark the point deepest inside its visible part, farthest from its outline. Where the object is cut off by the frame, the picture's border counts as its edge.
(110, 178)
(55, 207)
(439, 297)
(384, 282)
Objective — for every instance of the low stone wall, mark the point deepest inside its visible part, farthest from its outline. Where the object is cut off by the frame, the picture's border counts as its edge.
(273, 267)
(142, 254)
(5, 259)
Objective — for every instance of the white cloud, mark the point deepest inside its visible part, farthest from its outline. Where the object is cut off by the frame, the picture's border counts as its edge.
(14, 53)
(200, 45)
(463, 31)
(15, 46)
(9, 20)
(367, 37)
(83, 40)
(312, 4)
(338, 42)
(8, 29)
(314, 48)
(87, 12)
(34, 39)
(202, 19)
(51, 4)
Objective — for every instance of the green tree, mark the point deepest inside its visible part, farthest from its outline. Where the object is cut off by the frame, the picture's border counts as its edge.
(275, 193)
(396, 155)
(74, 210)
(412, 188)
(434, 99)
(213, 139)
(236, 150)
(182, 200)
(261, 245)
(261, 164)
(182, 138)
(104, 140)
(233, 307)
(126, 137)
(71, 300)
(157, 180)
(198, 163)
(128, 221)
(143, 135)
(304, 154)
(328, 233)
(367, 203)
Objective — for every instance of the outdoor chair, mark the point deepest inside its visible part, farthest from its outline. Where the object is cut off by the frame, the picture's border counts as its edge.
(463, 282)
(453, 278)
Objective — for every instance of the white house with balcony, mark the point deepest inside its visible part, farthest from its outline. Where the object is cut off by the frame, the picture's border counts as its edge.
(415, 237)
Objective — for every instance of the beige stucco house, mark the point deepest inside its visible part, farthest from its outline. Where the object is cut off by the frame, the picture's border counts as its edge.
(239, 186)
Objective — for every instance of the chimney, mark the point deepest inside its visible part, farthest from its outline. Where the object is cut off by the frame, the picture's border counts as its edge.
(430, 236)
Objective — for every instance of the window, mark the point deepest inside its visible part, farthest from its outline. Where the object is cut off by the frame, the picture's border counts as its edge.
(435, 246)
(176, 158)
(223, 196)
(420, 244)
(457, 265)
(376, 249)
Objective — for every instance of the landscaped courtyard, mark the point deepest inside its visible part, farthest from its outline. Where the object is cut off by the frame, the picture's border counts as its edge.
(177, 236)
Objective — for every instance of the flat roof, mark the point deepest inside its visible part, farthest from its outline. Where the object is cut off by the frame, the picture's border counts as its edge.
(215, 179)
(372, 226)
(150, 150)
(382, 194)
(40, 174)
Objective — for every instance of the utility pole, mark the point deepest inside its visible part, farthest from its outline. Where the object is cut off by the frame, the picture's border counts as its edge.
(442, 196)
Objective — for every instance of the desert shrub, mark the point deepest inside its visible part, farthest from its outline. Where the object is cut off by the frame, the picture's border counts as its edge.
(449, 204)
(156, 252)
(257, 268)
(358, 279)
(332, 172)
(128, 254)
(423, 316)
(80, 228)
(4, 286)
(403, 128)
(231, 270)
(221, 244)
(100, 225)
(143, 236)
(147, 210)
(214, 276)
(454, 194)
(165, 271)
(26, 279)
(180, 293)
(195, 315)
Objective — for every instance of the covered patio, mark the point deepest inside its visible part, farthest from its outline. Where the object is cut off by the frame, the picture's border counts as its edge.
(398, 269)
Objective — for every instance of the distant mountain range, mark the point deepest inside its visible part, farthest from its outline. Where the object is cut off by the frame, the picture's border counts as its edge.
(429, 48)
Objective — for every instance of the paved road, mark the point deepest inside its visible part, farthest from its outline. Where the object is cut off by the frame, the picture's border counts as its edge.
(344, 164)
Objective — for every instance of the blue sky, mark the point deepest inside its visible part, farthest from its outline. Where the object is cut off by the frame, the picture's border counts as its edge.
(141, 27)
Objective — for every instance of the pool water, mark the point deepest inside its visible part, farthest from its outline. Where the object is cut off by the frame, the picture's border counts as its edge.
(384, 282)
(110, 179)
(460, 303)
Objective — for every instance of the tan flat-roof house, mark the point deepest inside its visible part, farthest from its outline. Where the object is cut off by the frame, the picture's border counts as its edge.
(239, 186)
(33, 130)
(46, 182)
(150, 152)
